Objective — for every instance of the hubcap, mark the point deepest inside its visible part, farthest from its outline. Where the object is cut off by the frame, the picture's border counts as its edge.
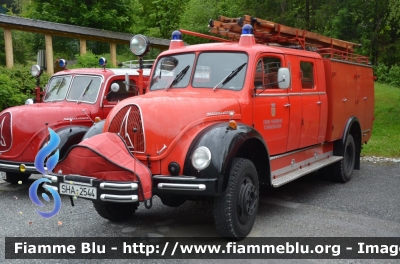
(247, 200)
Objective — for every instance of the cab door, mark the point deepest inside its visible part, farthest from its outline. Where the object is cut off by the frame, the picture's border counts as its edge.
(270, 104)
(110, 98)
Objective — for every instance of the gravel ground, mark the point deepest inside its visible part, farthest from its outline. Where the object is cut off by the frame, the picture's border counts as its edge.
(375, 159)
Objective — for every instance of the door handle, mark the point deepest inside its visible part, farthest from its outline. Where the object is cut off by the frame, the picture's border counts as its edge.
(319, 102)
(344, 99)
(365, 98)
(286, 105)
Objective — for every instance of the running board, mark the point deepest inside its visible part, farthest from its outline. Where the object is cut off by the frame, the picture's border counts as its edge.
(293, 175)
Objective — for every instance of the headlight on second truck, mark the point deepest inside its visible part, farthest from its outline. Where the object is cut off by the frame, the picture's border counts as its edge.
(201, 158)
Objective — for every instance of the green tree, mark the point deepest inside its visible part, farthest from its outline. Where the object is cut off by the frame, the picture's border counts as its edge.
(158, 18)
(114, 15)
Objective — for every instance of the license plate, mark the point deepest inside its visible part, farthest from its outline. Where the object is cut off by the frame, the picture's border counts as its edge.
(2, 175)
(78, 190)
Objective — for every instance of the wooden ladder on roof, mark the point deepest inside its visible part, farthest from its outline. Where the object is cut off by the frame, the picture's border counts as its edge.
(271, 33)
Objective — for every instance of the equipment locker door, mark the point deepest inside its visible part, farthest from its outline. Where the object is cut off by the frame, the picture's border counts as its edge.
(310, 103)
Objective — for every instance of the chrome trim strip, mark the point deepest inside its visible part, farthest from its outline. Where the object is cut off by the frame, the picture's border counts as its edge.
(118, 186)
(366, 131)
(180, 187)
(16, 167)
(50, 177)
(144, 130)
(78, 183)
(290, 94)
(175, 177)
(119, 198)
(50, 186)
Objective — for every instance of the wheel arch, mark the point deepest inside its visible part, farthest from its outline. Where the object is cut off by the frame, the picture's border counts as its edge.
(96, 129)
(226, 144)
(69, 136)
(353, 128)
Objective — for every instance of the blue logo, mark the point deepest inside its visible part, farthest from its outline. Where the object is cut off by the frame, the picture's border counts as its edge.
(50, 164)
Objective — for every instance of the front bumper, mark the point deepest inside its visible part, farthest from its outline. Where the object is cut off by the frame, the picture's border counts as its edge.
(128, 192)
(8, 166)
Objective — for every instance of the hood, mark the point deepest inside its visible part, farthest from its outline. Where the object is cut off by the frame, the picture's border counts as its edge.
(22, 125)
(160, 120)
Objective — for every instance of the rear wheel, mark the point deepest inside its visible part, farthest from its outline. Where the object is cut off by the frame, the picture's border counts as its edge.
(236, 209)
(15, 177)
(343, 170)
(115, 211)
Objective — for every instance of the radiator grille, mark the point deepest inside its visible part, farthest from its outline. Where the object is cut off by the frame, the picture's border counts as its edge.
(124, 123)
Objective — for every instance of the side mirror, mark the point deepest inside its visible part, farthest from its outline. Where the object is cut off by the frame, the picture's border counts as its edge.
(127, 83)
(29, 101)
(283, 78)
(115, 87)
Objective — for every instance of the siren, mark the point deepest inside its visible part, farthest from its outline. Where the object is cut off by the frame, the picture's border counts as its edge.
(62, 63)
(247, 37)
(176, 40)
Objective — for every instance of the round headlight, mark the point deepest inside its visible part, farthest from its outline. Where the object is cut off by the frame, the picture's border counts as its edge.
(36, 71)
(201, 158)
(29, 101)
(139, 45)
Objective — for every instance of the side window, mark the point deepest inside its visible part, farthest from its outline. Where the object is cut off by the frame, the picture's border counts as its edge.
(266, 75)
(122, 92)
(307, 75)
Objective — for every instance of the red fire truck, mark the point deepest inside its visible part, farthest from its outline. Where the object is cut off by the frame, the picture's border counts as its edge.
(72, 101)
(261, 107)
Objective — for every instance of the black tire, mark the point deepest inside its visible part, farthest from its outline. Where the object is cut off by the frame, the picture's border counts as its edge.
(15, 177)
(236, 209)
(115, 211)
(172, 200)
(343, 169)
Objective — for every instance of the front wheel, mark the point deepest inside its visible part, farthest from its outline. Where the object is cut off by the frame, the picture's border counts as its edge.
(343, 170)
(115, 211)
(15, 177)
(236, 209)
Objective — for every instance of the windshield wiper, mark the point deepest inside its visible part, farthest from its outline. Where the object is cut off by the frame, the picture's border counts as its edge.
(230, 76)
(84, 91)
(58, 88)
(178, 77)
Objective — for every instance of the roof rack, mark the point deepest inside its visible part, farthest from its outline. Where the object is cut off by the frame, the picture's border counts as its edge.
(271, 33)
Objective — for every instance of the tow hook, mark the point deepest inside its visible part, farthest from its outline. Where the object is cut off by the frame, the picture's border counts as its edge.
(72, 200)
(148, 203)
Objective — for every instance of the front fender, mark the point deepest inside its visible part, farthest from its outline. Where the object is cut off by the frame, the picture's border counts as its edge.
(69, 136)
(96, 129)
(225, 144)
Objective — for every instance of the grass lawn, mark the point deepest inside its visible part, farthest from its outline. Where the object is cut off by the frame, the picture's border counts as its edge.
(385, 139)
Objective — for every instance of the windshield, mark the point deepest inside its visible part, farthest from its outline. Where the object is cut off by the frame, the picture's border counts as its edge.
(57, 88)
(84, 89)
(172, 72)
(220, 70)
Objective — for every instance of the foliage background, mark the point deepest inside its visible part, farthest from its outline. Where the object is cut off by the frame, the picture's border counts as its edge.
(375, 24)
